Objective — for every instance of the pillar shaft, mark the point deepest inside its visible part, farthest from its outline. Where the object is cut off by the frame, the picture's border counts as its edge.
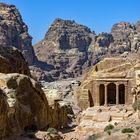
(105, 95)
(126, 94)
(117, 94)
(97, 91)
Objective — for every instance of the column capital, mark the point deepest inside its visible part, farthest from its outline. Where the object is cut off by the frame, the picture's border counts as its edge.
(116, 83)
(105, 84)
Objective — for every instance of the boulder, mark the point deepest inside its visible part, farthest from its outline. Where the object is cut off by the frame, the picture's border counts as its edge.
(12, 61)
(23, 105)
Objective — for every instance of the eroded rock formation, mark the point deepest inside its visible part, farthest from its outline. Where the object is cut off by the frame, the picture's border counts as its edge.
(12, 61)
(65, 48)
(14, 32)
(61, 112)
(23, 105)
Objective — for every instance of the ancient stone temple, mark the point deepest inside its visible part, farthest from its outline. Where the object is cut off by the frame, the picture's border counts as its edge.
(108, 83)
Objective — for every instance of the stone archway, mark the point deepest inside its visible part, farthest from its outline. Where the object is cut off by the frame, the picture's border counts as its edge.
(102, 94)
(111, 93)
(121, 94)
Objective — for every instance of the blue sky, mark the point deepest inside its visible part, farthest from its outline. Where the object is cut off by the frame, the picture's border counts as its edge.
(99, 15)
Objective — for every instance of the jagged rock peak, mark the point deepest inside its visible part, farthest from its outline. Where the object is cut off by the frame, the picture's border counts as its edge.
(67, 34)
(11, 13)
(122, 30)
(65, 47)
(60, 23)
(14, 32)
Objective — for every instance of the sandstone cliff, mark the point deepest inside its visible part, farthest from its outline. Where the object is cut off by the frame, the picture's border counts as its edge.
(14, 32)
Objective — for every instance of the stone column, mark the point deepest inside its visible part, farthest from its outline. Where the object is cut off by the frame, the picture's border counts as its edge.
(126, 95)
(97, 94)
(117, 93)
(105, 94)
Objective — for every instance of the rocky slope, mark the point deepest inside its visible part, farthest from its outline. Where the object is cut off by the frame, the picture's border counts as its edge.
(14, 32)
(65, 48)
(70, 48)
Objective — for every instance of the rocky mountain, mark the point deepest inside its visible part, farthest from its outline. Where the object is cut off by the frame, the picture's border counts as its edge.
(70, 48)
(65, 48)
(126, 37)
(14, 32)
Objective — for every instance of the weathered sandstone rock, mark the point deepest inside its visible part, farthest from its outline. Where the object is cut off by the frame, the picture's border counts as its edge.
(23, 105)
(12, 61)
(14, 32)
(61, 112)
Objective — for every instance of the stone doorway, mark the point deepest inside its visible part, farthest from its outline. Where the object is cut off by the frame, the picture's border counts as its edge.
(111, 93)
(121, 94)
(102, 94)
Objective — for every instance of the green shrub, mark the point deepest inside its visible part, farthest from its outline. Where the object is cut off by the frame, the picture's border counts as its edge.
(138, 127)
(109, 127)
(127, 130)
(52, 130)
(136, 105)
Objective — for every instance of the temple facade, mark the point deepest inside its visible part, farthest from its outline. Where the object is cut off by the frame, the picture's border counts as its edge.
(108, 83)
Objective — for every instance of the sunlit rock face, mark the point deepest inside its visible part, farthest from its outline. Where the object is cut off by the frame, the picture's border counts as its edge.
(70, 48)
(126, 37)
(14, 32)
(65, 48)
(23, 105)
